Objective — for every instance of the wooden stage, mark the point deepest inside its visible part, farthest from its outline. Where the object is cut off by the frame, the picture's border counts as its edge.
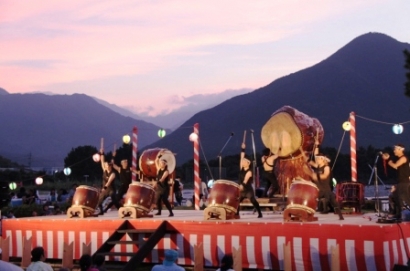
(364, 244)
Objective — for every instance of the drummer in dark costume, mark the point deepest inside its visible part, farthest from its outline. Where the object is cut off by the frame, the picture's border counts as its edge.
(400, 195)
(268, 174)
(245, 183)
(321, 174)
(108, 186)
(162, 186)
(125, 173)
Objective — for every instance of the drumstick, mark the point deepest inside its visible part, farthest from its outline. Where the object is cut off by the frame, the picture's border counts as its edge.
(102, 143)
(244, 137)
(115, 147)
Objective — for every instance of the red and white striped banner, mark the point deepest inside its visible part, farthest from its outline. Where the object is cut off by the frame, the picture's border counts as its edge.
(362, 247)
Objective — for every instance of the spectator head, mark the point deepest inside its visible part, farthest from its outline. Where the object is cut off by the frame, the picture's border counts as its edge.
(98, 260)
(85, 262)
(170, 257)
(226, 262)
(64, 269)
(37, 254)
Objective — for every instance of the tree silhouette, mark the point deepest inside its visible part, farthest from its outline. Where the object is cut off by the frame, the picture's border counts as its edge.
(81, 163)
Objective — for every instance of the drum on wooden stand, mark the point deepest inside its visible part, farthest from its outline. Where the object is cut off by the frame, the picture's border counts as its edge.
(223, 200)
(84, 202)
(138, 201)
(301, 201)
(350, 194)
(147, 161)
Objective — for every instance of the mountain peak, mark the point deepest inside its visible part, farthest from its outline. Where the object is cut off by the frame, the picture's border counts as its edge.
(3, 91)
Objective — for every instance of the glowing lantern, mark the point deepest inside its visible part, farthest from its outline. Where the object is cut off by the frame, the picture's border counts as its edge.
(397, 129)
(67, 171)
(210, 183)
(39, 181)
(193, 137)
(12, 186)
(161, 133)
(346, 126)
(96, 157)
(126, 139)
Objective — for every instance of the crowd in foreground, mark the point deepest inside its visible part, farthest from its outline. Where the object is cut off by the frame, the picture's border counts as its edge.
(97, 263)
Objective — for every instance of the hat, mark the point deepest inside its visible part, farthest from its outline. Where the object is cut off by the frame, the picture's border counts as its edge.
(170, 257)
(321, 155)
(399, 146)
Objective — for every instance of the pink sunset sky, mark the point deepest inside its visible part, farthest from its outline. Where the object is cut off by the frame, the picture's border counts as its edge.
(152, 56)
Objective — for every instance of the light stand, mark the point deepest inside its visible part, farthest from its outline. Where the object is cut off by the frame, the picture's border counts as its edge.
(376, 186)
(220, 155)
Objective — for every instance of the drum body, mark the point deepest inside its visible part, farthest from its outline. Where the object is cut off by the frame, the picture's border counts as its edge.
(86, 197)
(147, 161)
(350, 194)
(140, 195)
(224, 194)
(303, 195)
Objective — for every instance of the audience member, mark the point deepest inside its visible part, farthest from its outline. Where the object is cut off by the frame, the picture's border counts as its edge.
(99, 262)
(86, 263)
(47, 210)
(226, 263)
(53, 196)
(6, 266)
(37, 261)
(169, 262)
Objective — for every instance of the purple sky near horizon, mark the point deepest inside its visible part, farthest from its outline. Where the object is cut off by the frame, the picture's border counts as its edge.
(152, 56)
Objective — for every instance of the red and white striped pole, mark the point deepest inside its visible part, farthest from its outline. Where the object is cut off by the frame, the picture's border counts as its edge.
(134, 151)
(353, 161)
(197, 180)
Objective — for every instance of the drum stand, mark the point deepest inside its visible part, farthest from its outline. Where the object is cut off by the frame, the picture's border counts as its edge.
(214, 212)
(296, 214)
(132, 212)
(79, 211)
(376, 186)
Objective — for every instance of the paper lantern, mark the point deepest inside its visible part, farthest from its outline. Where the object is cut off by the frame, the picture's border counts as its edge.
(96, 157)
(161, 133)
(67, 171)
(126, 139)
(39, 181)
(346, 126)
(193, 137)
(397, 129)
(12, 186)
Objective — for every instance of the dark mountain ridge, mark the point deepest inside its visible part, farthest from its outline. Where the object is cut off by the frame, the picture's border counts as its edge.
(48, 127)
(366, 76)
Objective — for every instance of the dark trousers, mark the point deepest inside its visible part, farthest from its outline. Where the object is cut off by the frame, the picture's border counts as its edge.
(328, 197)
(109, 192)
(401, 197)
(272, 185)
(251, 196)
(162, 197)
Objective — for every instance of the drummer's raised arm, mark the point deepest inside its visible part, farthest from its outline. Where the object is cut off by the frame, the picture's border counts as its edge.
(243, 146)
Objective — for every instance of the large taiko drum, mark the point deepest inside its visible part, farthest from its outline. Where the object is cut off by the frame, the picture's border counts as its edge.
(224, 194)
(86, 197)
(303, 195)
(140, 196)
(293, 132)
(147, 161)
(350, 194)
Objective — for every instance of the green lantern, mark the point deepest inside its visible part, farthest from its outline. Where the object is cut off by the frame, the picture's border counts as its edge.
(161, 133)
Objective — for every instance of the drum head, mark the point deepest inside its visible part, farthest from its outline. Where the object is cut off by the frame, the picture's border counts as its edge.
(170, 158)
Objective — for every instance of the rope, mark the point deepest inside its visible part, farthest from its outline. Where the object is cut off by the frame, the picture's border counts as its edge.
(382, 122)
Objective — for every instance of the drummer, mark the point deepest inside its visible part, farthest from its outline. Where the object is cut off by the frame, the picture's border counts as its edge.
(162, 185)
(125, 173)
(320, 174)
(108, 189)
(245, 183)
